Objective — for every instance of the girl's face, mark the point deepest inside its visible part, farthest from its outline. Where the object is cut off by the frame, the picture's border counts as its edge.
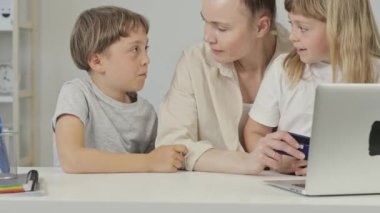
(229, 29)
(309, 38)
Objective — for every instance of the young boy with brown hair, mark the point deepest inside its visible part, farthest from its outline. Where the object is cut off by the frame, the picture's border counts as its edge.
(100, 123)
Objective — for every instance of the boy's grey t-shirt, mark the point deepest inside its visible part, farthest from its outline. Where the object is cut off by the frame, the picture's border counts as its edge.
(109, 125)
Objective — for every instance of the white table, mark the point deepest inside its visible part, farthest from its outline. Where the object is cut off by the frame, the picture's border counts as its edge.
(175, 192)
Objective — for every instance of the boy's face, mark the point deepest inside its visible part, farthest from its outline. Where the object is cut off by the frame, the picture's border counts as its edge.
(309, 38)
(125, 64)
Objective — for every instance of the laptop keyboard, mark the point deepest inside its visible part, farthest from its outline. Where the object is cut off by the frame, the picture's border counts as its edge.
(302, 185)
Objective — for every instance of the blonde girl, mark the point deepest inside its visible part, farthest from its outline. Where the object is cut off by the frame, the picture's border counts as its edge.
(334, 42)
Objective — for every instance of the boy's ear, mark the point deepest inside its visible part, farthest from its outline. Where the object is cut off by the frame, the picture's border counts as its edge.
(263, 26)
(95, 62)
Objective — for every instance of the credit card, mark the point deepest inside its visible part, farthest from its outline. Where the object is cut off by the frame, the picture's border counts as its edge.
(304, 142)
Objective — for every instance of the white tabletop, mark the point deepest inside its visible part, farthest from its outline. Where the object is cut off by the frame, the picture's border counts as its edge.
(181, 191)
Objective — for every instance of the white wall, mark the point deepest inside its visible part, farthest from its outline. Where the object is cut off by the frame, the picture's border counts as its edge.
(175, 25)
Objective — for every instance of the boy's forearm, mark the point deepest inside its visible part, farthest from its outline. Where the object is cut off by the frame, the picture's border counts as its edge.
(95, 161)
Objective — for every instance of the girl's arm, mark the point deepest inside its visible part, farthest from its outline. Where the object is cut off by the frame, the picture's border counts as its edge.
(253, 132)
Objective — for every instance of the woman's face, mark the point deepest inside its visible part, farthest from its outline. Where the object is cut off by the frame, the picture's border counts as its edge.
(230, 30)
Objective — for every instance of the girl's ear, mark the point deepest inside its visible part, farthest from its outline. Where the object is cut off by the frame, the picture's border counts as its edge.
(263, 26)
(96, 63)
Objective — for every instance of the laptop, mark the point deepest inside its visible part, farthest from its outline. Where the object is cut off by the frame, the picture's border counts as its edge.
(344, 152)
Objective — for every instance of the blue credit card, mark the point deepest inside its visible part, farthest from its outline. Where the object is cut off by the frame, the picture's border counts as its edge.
(304, 142)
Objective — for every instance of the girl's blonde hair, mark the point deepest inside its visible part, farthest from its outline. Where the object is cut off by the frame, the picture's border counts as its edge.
(352, 35)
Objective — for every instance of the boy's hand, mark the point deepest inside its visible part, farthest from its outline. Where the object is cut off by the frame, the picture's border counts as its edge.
(167, 158)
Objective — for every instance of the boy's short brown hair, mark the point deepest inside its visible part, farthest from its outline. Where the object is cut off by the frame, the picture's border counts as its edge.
(98, 28)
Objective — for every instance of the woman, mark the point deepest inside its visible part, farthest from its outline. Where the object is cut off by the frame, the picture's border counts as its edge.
(216, 83)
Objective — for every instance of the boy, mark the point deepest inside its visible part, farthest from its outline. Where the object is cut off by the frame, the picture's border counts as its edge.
(100, 123)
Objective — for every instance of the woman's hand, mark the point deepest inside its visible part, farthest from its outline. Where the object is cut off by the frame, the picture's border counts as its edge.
(301, 167)
(267, 154)
(290, 165)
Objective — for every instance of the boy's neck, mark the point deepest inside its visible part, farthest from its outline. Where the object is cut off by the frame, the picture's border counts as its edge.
(120, 96)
